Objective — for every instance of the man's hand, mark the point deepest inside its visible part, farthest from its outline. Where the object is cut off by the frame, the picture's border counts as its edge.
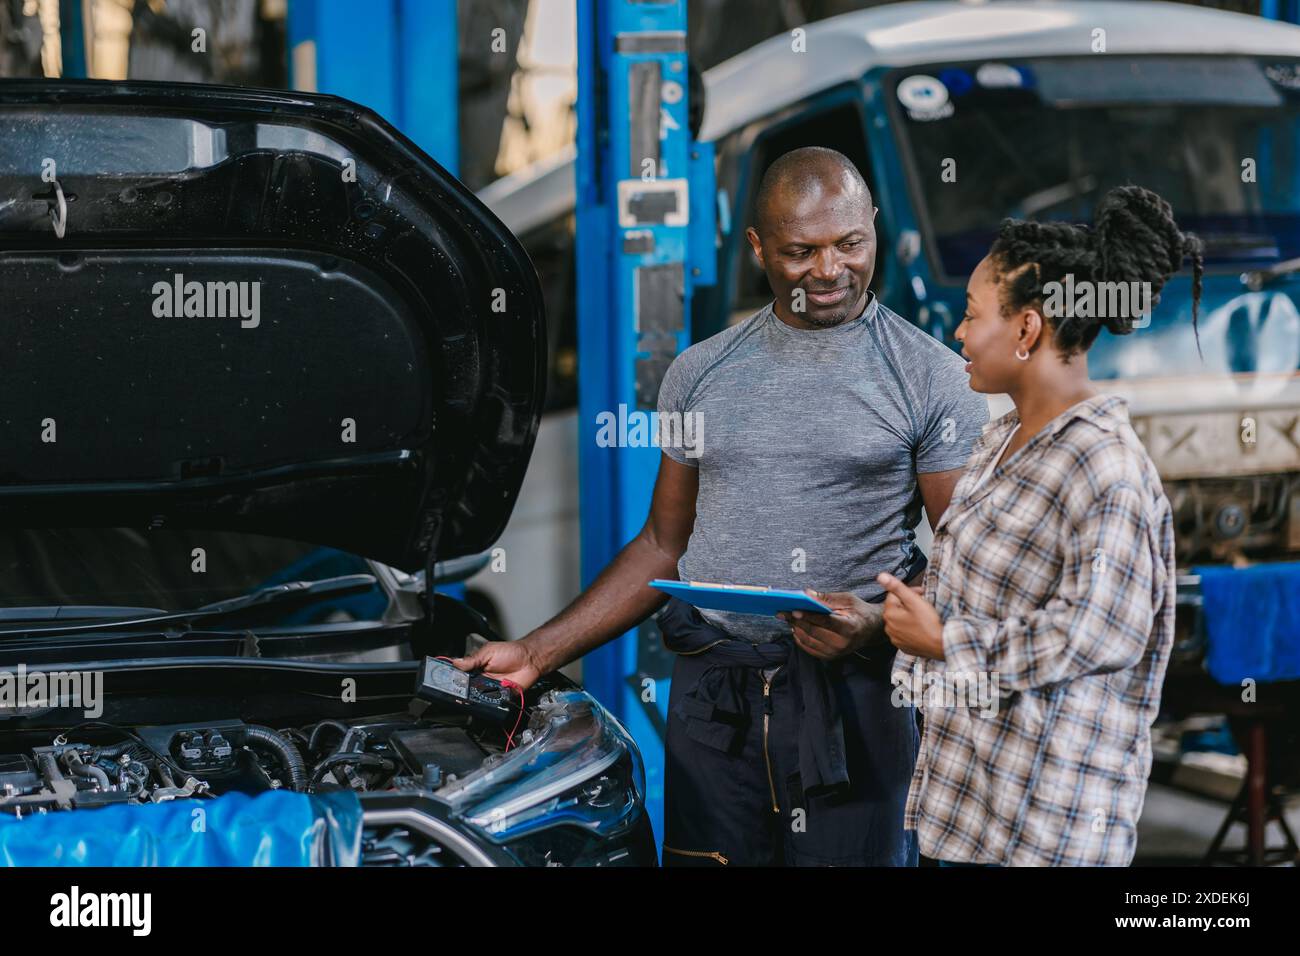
(911, 621)
(503, 660)
(829, 637)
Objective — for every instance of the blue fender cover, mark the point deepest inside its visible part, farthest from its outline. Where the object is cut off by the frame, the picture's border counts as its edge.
(277, 828)
(1252, 621)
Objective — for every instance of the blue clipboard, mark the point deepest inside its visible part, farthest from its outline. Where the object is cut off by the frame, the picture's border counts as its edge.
(740, 598)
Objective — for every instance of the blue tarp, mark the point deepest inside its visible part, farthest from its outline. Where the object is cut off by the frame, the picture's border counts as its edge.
(1252, 619)
(276, 828)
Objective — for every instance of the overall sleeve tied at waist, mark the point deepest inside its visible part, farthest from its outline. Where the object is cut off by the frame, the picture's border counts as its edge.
(713, 710)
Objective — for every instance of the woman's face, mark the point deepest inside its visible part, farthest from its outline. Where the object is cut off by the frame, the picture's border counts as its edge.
(989, 340)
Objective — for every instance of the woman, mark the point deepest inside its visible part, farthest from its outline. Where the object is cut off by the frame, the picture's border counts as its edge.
(1051, 578)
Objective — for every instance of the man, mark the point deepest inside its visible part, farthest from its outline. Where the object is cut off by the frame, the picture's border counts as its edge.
(824, 415)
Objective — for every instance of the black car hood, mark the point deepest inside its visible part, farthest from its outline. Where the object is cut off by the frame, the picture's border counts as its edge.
(269, 312)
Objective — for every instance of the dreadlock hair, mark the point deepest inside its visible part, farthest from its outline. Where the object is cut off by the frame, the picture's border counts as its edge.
(1133, 239)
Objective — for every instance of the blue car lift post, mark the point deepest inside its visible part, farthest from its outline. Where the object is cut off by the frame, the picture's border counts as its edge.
(397, 57)
(1287, 10)
(645, 222)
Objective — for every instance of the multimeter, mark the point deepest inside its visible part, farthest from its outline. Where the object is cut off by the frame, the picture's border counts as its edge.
(441, 682)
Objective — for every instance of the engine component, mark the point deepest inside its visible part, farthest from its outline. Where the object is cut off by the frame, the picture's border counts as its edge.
(284, 750)
(449, 749)
(161, 763)
(18, 775)
(203, 750)
(214, 752)
(1222, 519)
(191, 787)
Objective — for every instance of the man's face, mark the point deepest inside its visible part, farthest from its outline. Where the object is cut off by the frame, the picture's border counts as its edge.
(818, 250)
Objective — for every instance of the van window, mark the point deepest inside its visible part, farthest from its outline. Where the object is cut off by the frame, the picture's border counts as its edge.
(1052, 136)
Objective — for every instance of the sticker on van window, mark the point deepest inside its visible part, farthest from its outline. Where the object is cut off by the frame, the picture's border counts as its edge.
(924, 97)
(1285, 75)
(957, 81)
(998, 76)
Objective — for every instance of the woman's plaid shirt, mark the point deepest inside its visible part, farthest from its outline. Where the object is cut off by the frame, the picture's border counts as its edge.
(1055, 583)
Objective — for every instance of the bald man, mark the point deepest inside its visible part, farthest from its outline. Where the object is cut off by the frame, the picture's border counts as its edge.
(825, 420)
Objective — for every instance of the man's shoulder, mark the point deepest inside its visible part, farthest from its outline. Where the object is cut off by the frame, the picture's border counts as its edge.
(694, 360)
(927, 366)
(928, 349)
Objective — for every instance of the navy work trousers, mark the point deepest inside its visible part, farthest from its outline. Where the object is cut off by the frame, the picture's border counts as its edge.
(745, 806)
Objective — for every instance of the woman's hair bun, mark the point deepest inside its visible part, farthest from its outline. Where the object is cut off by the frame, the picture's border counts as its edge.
(1136, 237)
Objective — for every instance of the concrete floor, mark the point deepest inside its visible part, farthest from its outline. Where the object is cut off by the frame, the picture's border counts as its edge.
(1176, 827)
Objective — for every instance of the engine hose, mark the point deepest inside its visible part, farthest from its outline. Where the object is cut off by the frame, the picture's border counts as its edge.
(81, 769)
(361, 760)
(284, 751)
(134, 750)
(341, 727)
(49, 767)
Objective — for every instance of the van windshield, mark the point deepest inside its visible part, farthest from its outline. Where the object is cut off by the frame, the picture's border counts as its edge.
(1045, 139)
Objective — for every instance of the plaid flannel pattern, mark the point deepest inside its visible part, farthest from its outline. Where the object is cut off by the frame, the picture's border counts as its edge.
(1055, 582)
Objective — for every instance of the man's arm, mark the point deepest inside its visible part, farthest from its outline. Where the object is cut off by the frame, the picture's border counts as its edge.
(936, 492)
(858, 627)
(617, 600)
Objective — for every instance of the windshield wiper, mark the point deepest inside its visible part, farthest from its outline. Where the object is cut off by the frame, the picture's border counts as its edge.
(291, 592)
(74, 612)
(280, 593)
(1256, 279)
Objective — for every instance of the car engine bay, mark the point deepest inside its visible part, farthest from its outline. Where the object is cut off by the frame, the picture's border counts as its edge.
(97, 764)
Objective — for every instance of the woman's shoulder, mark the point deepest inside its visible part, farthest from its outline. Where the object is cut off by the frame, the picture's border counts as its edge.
(1104, 460)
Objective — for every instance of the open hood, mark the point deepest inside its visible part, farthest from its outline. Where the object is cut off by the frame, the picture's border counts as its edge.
(255, 311)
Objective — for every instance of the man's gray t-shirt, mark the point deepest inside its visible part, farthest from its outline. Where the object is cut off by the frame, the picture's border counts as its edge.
(808, 444)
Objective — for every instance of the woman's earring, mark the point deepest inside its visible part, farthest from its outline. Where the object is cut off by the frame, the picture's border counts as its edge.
(1025, 357)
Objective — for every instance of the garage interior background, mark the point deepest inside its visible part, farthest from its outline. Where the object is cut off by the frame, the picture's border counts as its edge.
(516, 108)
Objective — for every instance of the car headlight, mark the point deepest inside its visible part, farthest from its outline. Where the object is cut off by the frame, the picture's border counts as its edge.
(576, 767)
